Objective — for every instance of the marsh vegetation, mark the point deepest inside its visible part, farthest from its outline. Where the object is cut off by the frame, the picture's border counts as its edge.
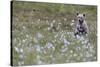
(42, 34)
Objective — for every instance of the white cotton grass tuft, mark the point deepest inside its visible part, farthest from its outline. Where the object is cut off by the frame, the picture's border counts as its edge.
(54, 21)
(71, 51)
(21, 50)
(38, 37)
(73, 21)
(16, 49)
(21, 56)
(74, 54)
(24, 40)
(65, 19)
(49, 28)
(64, 49)
(24, 27)
(40, 62)
(71, 24)
(81, 38)
(35, 40)
(20, 63)
(78, 37)
(27, 35)
(51, 25)
(38, 48)
(38, 20)
(38, 57)
(66, 42)
(56, 36)
(49, 45)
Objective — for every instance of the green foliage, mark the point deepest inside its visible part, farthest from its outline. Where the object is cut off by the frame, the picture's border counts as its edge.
(40, 44)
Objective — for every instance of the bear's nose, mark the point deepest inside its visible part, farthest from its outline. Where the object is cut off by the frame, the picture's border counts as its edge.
(80, 21)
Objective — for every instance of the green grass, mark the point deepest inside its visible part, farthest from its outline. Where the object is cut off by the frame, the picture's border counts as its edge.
(31, 21)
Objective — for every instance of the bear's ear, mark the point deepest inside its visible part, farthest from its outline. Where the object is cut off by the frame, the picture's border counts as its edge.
(84, 15)
(77, 13)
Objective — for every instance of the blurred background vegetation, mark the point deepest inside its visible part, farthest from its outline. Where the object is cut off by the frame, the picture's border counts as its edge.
(31, 33)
